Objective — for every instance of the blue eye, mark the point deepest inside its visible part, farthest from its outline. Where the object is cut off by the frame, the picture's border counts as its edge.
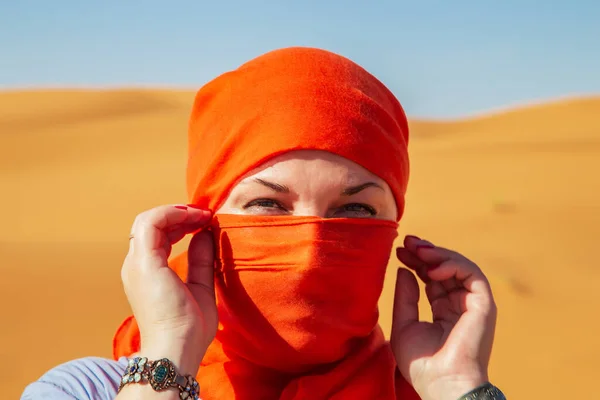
(265, 204)
(358, 209)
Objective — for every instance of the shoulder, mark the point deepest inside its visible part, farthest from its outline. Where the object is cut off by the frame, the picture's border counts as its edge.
(85, 378)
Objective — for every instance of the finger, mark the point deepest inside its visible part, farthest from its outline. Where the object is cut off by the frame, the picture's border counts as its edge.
(442, 303)
(201, 265)
(477, 302)
(443, 311)
(434, 291)
(413, 243)
(175, 235)
(419, 247)
(454, 271)
(146, 236)
(424, 252)
(413, 262)
(406, 300)
(427, 252)
(408, 258)
(150, 227)
(413, 254)
(449, 284)
(434, 256)
(458, 299)
(474, 331)
(465, 272)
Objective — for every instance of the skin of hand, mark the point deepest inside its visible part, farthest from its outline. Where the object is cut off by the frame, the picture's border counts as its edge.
(177, 318)
(448, 357)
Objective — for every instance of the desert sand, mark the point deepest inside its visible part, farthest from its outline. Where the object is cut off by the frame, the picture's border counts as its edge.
(517, 191)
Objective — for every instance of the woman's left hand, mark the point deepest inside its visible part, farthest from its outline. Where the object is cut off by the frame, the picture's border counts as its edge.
(448, 357)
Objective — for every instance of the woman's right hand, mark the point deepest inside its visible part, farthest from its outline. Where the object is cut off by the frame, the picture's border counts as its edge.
(177, 319)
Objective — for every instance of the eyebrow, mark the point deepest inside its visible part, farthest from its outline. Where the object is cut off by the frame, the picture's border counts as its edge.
(349, 191)
(274, 186)
(355, 189)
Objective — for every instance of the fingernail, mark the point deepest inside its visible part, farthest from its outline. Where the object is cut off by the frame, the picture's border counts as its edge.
(425, 246)
(412, 237)
(181, 207)
(197, 207)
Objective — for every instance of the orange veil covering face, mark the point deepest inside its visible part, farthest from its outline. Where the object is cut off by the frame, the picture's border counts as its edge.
(297, 296)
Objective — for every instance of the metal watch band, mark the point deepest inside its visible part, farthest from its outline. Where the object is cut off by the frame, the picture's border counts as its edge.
(161, 375)
(484, 392)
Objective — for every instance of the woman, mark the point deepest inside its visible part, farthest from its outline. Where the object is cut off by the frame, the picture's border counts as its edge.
(302, 156)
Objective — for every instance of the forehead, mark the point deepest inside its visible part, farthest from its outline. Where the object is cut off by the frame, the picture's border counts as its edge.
(305, 163)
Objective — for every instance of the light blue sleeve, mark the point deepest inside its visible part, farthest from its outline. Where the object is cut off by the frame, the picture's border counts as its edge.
(90, 378)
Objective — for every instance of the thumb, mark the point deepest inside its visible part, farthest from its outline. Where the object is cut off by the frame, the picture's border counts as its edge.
(201, 265)
(406, 301)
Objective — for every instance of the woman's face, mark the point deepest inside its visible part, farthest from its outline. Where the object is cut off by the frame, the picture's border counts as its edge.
(311, 183)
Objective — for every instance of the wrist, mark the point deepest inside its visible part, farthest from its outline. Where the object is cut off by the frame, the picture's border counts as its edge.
(185, 356)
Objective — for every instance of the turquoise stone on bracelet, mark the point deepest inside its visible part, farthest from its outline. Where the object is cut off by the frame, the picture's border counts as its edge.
(160, 373)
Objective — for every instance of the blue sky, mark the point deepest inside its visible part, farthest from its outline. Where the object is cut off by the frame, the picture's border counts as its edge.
(444, 58)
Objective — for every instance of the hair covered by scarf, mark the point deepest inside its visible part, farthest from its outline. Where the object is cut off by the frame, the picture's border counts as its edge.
(292, 99)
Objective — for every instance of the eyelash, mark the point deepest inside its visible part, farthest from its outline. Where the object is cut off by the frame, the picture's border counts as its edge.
(269, 203)
(263, 203)
(365, 207)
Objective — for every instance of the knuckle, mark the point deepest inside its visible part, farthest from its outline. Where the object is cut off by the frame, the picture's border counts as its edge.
(490, 311)
(158, 216)
(145, 222)
(125, 274)
(142, 217)
(493, 305)
(127, 270)
(466, 262)
(137, 221)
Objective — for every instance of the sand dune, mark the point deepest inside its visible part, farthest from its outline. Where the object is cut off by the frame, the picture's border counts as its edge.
(516, 191)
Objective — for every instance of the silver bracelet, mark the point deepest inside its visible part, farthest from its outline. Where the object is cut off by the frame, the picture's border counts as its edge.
(161, 375)
(484, 392)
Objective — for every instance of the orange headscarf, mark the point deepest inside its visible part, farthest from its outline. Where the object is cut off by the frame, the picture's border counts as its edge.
(297, 296)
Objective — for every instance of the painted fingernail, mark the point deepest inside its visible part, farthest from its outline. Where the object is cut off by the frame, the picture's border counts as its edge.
(425, 246)
(181, 207)
(195, 206)
(412, 237)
